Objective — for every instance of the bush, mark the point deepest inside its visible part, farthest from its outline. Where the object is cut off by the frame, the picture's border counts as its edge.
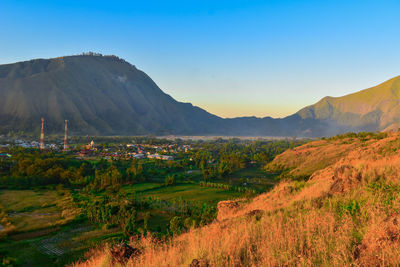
(352, 207)
(130, 225)
(169, 180)
(175, 225)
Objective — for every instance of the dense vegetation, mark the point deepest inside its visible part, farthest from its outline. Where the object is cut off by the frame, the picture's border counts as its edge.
(131, 197)
(345, 213)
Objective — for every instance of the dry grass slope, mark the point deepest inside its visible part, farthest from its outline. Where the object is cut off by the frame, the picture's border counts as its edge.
(346, 214)
(303, 161)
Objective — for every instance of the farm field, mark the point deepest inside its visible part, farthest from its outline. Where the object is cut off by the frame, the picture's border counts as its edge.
(254, 177)
(42, 236)
(55, 207)
(30, 210)
(54, 246)
(187, 191)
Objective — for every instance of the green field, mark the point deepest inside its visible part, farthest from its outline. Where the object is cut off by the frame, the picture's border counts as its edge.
(30, 210)
(191, 192)
(57, 246)
(47, 231)
(42, 237)
(253, 177)
(187, 191)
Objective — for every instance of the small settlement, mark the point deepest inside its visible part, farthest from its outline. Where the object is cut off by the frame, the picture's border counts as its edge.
(91, 150)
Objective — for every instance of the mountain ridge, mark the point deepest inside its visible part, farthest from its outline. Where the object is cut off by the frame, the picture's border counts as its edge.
(90, 90)
(106, 95)
(371, 109)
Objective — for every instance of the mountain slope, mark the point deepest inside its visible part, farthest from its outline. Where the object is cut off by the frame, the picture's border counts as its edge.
(105, 95)
(372, 109)
(98, 95)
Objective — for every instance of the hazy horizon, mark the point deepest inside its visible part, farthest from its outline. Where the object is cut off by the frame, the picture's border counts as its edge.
(231, 58)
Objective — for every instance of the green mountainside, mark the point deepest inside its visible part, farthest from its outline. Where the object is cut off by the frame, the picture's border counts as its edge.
(372, 109)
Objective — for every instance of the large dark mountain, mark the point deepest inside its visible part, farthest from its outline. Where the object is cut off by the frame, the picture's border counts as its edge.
(97, 94)
(105, 95)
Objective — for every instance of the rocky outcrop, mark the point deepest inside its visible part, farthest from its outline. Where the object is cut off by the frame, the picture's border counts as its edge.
(227, 209)
(200, 263)
(121, 253)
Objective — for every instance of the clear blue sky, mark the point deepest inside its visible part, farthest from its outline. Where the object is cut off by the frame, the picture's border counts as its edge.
(233, 58)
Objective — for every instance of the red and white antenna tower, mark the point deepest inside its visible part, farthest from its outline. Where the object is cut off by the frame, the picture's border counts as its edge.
(65, 136)
(42, 136)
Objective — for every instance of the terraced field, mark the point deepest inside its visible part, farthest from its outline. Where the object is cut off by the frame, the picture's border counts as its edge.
(41, 235)
(46, 229)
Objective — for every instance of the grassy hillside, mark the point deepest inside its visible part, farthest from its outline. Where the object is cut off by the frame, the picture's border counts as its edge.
(375, 108)
(346, 213)
(301, 162)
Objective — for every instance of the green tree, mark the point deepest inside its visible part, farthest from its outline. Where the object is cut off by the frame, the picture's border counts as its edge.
(130, 224)
(175, 225)
(135, 171)
(169, 180)
(146, 220)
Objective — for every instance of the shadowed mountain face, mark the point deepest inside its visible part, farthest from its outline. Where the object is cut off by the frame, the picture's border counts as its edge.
(105, 95)
(98, 95)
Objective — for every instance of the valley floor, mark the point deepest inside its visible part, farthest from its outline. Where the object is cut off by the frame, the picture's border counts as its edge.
(346, 213)
(41, 234)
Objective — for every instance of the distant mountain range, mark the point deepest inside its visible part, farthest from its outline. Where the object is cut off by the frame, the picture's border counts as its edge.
(105, 95)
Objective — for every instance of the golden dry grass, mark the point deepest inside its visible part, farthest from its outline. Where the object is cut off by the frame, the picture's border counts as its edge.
(303, 161)
(346, 214)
